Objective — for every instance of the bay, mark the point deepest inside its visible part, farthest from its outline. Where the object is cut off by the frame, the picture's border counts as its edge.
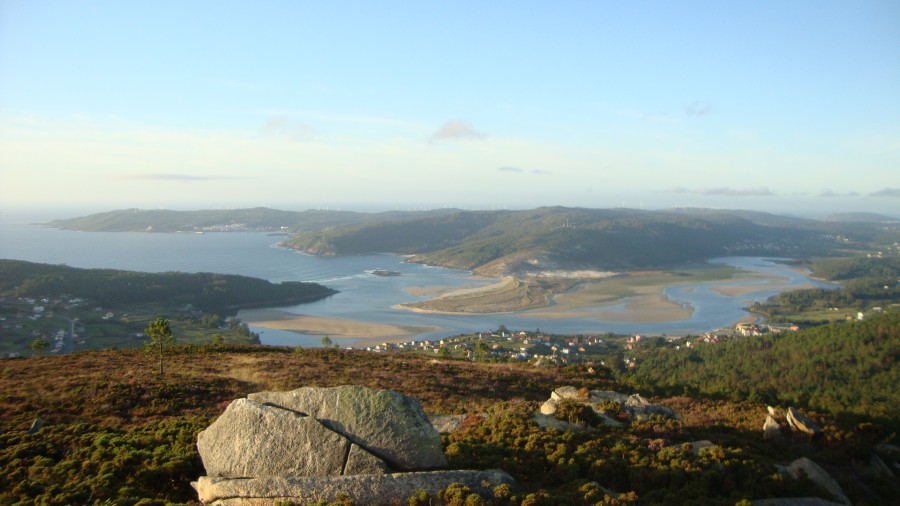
(365, 296)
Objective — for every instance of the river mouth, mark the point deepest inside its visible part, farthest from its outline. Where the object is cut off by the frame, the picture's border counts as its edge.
(689, 300)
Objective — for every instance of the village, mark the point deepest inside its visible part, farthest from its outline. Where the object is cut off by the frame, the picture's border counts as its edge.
(540, 348)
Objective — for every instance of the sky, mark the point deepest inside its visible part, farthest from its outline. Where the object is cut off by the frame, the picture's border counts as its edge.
(790, 107)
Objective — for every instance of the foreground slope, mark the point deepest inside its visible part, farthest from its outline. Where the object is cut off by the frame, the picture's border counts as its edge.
(114, 432)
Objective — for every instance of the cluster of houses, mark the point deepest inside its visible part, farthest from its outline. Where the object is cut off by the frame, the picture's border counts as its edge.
(502, 345)
(36, 309)
(752, 329)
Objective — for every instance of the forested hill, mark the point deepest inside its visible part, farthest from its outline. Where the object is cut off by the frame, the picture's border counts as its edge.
(227, 220)
(494, 242)
(216, 293)
(847, 368)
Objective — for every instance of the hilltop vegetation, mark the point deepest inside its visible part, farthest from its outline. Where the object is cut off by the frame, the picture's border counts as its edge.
(115, 432)
(843, 368)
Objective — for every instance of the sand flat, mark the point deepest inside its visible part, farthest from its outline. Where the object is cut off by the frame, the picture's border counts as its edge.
(333, 327)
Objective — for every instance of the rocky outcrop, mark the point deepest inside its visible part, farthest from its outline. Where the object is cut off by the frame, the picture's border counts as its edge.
(362, 490)
(637, 407)
(804, 467)
(568, 392)
(641, 409)
(800, 423)
(390, 425)
(446, 424)
(319, 444)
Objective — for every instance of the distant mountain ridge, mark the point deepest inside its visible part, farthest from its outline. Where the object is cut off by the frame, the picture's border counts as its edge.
(225, 220)
(520, 241)
(861, 218)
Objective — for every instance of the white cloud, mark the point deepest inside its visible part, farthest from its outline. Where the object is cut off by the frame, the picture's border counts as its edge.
(456, 130)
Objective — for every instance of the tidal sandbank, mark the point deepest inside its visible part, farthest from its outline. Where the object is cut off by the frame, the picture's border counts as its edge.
(333, 327)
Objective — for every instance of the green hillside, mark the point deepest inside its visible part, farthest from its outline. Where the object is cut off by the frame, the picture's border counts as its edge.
(577, 238)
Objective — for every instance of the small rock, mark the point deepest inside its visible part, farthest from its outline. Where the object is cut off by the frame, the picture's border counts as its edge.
(889, 452)
(36, 425)
(800, 423)
(794, 501)
(598, 396)
(549, 407)
(567, 392)
(446, 424)
(806, 467)
(640, 408)
(878, 468)
(696, 446)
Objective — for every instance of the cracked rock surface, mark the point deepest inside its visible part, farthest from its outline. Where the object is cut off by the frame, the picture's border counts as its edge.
(319, 444)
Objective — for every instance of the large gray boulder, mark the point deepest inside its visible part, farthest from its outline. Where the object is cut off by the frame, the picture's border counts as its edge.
(391, 426)
(362, 490)
(252, 439)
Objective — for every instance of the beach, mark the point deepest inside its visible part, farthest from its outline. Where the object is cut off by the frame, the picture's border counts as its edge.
(367, 332)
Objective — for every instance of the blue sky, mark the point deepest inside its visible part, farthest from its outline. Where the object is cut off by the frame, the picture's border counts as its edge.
(778, 106)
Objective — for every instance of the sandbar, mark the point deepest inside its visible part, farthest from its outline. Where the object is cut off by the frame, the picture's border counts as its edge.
(739, 291)
(647, 305)
(332, 327)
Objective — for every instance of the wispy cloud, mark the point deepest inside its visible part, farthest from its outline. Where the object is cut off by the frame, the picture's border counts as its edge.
(830, 194)
(519, 170)
(281, 126)
(456, 130)
(727, 192)
(169, 177)
(886, 192)
(698, 109)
